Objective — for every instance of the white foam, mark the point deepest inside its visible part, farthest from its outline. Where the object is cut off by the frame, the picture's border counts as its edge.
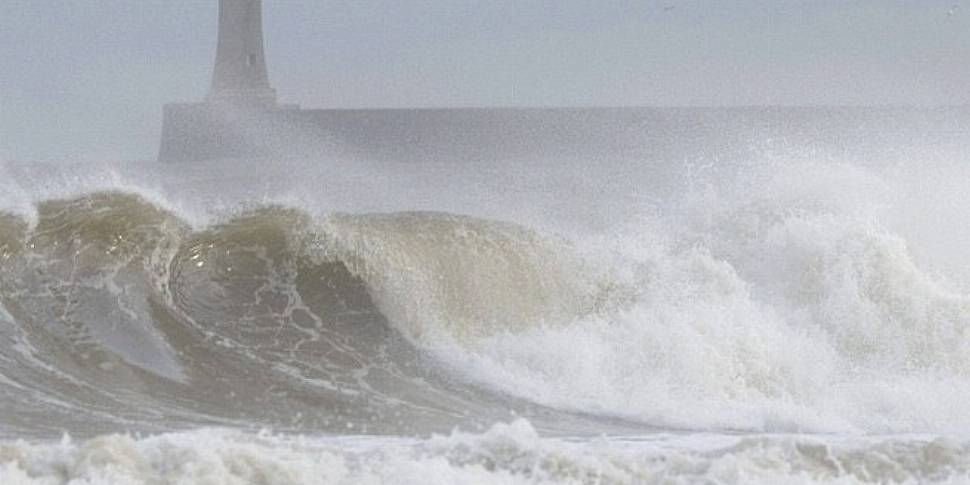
(784, 302)
(505, 454)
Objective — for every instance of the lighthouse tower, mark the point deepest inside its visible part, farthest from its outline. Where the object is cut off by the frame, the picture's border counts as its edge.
(240, 78)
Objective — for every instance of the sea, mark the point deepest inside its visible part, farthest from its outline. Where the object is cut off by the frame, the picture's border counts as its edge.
(745, 295)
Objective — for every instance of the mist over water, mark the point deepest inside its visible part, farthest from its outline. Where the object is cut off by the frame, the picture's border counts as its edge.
(783, 304)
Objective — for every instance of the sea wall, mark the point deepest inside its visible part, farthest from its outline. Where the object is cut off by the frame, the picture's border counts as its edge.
(195, 132)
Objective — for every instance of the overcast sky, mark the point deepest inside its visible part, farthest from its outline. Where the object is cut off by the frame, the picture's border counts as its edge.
(86, 79)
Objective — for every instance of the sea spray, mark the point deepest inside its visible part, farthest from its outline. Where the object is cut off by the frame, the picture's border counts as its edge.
(694, 309)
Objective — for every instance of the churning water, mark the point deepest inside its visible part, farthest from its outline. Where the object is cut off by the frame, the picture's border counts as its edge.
(744, 303)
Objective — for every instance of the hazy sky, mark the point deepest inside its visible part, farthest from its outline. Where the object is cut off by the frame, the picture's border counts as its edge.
(86, 79)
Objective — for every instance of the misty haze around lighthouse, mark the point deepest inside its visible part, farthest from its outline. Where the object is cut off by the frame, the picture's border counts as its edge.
(516, 242)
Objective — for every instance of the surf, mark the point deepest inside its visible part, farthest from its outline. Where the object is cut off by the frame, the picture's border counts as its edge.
(782, 298)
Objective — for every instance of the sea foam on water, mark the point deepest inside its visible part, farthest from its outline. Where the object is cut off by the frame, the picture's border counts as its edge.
(507, 453)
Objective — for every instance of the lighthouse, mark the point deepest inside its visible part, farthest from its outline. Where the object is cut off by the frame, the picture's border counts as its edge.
(240, 119)
(240, 78)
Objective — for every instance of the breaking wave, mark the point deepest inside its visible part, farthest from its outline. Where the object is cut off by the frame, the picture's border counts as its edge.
(110, 302)
(786, 305)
